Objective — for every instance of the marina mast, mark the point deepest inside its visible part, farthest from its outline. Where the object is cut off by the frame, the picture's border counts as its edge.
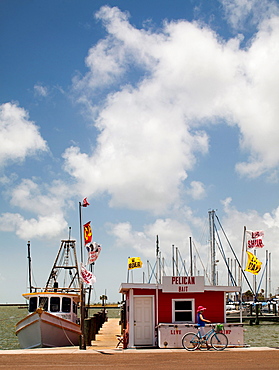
(211, 215)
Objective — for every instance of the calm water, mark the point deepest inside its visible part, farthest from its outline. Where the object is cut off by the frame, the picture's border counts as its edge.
(264, 335)
(10, 315)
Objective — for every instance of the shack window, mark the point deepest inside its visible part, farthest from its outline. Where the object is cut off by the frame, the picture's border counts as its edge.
(55, 304)
(182, 310)
(32, 304)
(66, 304)
(43, 303)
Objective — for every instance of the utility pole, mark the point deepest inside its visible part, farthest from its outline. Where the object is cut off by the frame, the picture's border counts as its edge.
(82, 344)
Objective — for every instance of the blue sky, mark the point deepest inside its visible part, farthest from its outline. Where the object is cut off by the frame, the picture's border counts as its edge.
(156, 111)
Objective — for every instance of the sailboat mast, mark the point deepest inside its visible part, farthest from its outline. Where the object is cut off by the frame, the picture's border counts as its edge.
(191, 258)
(269, 276)
(212, 246)
(157, 260)
(266, 274)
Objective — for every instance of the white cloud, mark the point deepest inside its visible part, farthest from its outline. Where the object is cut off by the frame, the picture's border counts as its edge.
(19, 136)
(110, 58)
(238, 12)
(170, 232)
(41, 90)
(43, 199)
(152, 132)
(47, 202)
(196, 190)
(42, 227)
(258, 116)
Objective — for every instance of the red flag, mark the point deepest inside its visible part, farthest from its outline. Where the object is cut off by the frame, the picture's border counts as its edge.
(87, 233)
(85, 203)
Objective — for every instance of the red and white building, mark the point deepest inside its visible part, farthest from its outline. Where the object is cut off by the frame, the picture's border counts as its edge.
(160, 314)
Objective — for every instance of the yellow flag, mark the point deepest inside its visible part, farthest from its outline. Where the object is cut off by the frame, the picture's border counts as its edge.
(134, 263)
(253, 264)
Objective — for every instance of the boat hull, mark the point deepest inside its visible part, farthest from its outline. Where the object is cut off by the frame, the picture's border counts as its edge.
(42, 329)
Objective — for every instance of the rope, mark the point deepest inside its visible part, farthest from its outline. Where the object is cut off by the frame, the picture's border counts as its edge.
(66, 335)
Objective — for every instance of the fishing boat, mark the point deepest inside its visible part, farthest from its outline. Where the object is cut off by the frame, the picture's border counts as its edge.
(53, 320)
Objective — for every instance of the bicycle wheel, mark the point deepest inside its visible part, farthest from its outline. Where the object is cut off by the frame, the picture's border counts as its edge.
(219, 341)
(190, 341)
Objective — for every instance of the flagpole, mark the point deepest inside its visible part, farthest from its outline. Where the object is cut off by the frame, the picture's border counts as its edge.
(240, 273)
(128, 271)
(82, 344)
(256, 295)
(80, 233)
(29, 267)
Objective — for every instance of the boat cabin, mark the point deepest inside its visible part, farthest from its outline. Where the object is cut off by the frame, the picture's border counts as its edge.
(63, 305)
(160, 314)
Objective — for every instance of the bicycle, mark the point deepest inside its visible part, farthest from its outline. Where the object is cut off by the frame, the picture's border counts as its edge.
(217, 340)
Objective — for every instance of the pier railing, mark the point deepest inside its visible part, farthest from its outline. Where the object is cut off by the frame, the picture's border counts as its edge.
(92, 325)
(254, 313)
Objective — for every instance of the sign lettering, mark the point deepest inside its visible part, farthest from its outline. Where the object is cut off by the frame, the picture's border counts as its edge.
(183, 284)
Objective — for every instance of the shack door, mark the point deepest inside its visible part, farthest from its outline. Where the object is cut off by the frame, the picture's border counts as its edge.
(143, 321)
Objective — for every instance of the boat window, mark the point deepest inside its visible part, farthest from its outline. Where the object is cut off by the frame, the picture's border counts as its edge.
(32, 304)
(43, 303)
(66, 304)
(182, 310)
(74, 307)
(55, 304)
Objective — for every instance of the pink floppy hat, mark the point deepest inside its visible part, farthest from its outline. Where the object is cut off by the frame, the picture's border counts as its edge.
(201, 308)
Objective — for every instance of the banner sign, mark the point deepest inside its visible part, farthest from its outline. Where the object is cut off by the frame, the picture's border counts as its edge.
(94, 250)
(253, 264)
(183, 284)
(255, 239)
(87, 276)
(134, 262)
(87, 231)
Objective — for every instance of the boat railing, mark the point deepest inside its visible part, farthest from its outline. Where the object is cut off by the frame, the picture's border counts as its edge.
(55, 290)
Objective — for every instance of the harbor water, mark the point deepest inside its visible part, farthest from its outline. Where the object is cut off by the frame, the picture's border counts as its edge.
(264, 335)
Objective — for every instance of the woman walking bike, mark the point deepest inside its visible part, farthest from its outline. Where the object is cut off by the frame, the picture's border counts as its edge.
(192, 341)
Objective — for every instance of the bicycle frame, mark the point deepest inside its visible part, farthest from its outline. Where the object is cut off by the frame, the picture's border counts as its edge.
(207, 335)
(192, 341)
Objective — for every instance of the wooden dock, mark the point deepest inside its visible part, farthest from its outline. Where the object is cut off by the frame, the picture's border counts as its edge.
(252, 319)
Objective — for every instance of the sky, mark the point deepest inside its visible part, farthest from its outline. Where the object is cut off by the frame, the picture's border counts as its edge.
(156, 111)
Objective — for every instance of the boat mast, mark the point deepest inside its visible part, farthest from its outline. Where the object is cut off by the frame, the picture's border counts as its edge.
(65, 255)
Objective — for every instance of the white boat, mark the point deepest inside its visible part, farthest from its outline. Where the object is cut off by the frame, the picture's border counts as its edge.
(52, 320)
